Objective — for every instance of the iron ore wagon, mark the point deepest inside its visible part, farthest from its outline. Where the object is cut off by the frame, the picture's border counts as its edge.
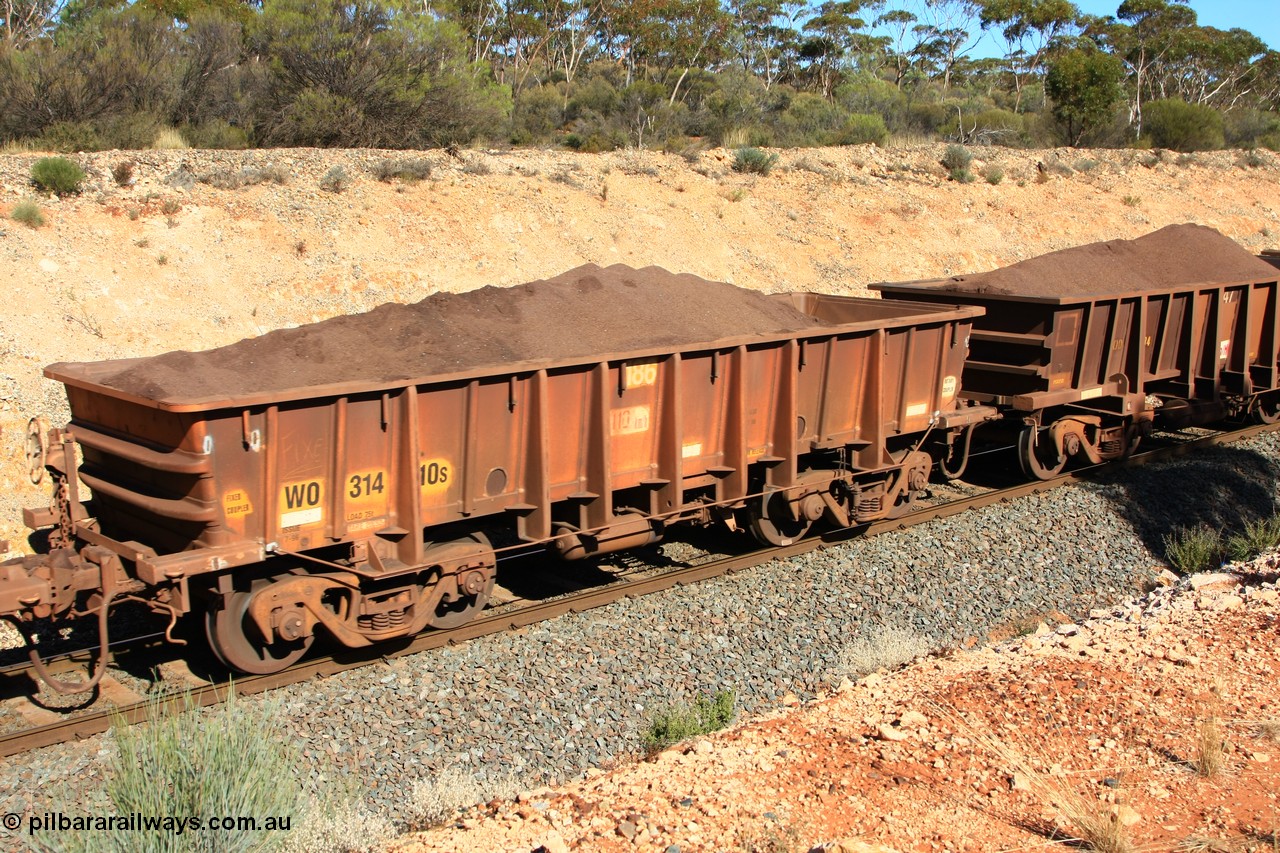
(1083, 349)
(349, 476)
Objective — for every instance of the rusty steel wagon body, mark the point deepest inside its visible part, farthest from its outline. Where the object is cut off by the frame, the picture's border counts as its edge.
(368, 510)
(1087, 374)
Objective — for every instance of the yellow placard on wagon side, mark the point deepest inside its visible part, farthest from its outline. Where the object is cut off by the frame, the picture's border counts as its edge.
(302, 503)
(236, 503)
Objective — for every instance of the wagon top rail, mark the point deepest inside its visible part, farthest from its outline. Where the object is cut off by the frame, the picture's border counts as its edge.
(587, 315)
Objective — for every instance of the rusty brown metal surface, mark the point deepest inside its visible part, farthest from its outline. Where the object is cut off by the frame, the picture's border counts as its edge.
(1214, 344)
(370, 489)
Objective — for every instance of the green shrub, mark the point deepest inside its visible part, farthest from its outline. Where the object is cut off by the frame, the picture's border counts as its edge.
(71, 136)
(57, 175)
(993, 174)
(335, 180)
(674, 723)
(956, 159)
(863, 129)
(754, 161)
(1002, 127)
(216, 133)
(28, 213)
(1180, 126)
(1194, 550)
(1248, 128)
(232, 760)
(405, 170)
(536, 115)
(248, 176)
(130, 131)
(963, 176)
(1258, 537)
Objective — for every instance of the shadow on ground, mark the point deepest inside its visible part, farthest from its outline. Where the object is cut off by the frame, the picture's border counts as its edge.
(1223, 488)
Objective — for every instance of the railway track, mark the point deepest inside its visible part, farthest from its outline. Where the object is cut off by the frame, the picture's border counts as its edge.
(518, 613)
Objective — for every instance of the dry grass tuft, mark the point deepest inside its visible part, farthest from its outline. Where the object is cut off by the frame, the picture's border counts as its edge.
(1211, 758)
(889, 648)
(170, 138)
(1210, 748)
(1197, 844)
(1083, 819)
(434, 800)
(1267, 730)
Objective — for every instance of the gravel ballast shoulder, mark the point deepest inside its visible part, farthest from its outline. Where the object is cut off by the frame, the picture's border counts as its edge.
(549, 702)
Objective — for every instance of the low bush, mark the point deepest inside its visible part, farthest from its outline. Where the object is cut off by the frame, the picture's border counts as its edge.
(57, 175)
(122, 173)
(1177, 125)
(71, 136)
(671, 724)
(405, 170)
(232, 760)
(863, 129)
(216, 134)
(1259, 536)
(439, 796)
(234, 179)
(335, 180)
(888, 648)
(754, 161)
(993, 175)
(956, 159)
(1192, 550)
(28, 213)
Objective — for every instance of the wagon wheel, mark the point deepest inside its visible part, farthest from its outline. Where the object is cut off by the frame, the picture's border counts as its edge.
(237, 642)
(37, 449)
(771, 524)
(1039, 457)
(1267, 409)
(470, 593)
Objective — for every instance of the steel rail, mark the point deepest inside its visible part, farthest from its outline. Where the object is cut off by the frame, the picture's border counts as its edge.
(96, 722)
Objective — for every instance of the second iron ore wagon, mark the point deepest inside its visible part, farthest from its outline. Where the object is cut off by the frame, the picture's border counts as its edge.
(1085, 348)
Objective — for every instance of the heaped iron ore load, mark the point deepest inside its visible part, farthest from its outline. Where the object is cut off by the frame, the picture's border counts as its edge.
(1082, 349)
(347, 476)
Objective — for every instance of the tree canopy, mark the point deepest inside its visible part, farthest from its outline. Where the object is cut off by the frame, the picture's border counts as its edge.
(593, 74)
